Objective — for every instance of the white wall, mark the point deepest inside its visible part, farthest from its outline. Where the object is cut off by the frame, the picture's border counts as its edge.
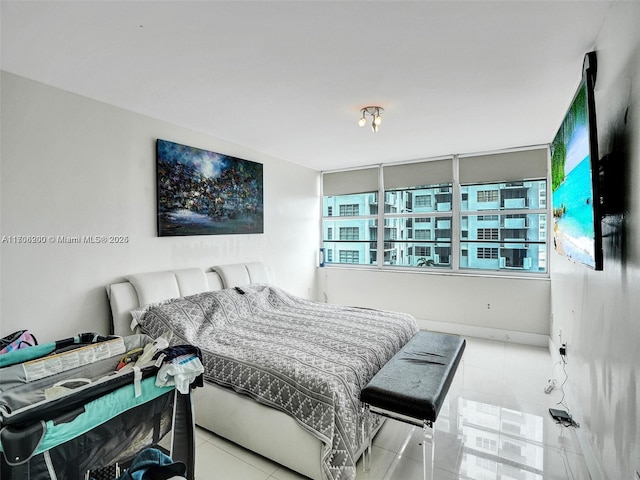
(599, 312)
(73, 166)
(515, 309)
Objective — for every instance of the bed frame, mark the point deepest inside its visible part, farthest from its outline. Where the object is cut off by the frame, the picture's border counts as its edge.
(239, 418)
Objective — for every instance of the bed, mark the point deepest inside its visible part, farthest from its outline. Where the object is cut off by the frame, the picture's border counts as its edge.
(289, 395)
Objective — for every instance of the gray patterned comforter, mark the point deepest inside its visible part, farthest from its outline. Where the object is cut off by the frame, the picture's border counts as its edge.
(307, 359)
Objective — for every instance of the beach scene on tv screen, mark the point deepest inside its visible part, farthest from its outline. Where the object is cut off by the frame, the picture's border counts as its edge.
(572, 191)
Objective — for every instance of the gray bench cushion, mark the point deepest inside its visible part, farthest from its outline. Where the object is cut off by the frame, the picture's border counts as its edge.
(416, 380)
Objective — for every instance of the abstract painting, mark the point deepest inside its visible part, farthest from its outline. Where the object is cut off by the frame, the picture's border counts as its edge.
(206, 193)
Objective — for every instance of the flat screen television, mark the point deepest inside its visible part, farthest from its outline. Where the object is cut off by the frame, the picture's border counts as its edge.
(574, 177)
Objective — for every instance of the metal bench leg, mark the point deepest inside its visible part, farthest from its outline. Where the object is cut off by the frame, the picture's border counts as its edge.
(428, 449)
(366, 437)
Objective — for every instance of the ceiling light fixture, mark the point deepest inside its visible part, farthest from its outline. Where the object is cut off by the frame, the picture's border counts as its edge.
(376, 117)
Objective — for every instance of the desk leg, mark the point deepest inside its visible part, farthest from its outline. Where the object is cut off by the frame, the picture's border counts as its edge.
(428, 449)
(366, 437)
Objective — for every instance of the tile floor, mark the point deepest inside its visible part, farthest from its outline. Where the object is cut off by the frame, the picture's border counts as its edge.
(494, 425)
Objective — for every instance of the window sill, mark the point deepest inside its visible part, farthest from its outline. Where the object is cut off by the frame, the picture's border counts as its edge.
(436, 271)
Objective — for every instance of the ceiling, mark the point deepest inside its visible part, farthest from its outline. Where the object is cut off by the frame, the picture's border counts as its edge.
(288, 78)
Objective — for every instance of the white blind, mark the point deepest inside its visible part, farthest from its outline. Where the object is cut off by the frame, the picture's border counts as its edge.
(504, 167)
(352, 181)
(418, 174)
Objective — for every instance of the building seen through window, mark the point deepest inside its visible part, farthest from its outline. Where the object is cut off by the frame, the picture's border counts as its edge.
(476, 225)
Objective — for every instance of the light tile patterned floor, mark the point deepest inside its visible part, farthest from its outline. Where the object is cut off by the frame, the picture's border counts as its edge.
(494, 425)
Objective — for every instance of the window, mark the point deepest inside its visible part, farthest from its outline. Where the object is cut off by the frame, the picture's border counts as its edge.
(423, 201)
(349, 210)
(487, 234)
(349, 256)
(350, 225)
(516, 227)
(485, 443)
(512, 428)
(512, 449)
(507, 192)
(418, 198)
(484, 252)
(349, 233)
(487, 196)
(492, 218)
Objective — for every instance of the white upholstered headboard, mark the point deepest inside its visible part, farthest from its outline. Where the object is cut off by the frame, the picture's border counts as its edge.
(144, 288)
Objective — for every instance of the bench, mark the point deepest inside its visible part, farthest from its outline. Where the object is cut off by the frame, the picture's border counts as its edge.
(412, 386)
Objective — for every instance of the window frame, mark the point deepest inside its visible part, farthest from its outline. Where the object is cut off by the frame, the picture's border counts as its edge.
(455, 215)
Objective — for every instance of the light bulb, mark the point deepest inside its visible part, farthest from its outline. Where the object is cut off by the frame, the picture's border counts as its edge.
(374, 127)
(362, 121)
(377, 119)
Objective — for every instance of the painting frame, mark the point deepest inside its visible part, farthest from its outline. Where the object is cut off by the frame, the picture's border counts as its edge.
(201, 192)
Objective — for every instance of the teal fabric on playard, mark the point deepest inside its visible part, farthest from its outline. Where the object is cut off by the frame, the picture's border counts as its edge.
(54, 425)
(22, 355)
(25, 354)
(97, 412)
